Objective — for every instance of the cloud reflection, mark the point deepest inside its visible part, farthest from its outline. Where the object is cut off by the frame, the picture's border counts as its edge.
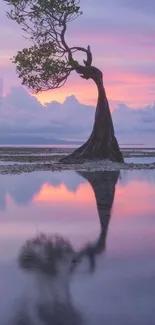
(65, 186)
(23, 188)
(128, 241)
(50, 259)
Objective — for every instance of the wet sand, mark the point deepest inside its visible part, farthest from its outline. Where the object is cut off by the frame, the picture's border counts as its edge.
(15, 160)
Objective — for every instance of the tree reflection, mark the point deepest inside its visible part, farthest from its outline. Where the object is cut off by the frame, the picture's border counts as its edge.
(49, 260)
(103, 185)
(52, 260)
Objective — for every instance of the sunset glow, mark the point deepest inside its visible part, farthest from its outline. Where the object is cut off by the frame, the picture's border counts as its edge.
(121, 86)
(121, 39)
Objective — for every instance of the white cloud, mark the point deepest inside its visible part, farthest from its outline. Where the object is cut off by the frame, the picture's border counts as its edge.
(135, 125)
(22, 114)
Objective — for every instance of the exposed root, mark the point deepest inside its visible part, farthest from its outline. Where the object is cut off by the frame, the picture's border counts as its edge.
(95, 150)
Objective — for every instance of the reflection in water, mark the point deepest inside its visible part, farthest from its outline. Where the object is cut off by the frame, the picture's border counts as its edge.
(121, 290)
(103, 184)
(23, 188)
(52, 259)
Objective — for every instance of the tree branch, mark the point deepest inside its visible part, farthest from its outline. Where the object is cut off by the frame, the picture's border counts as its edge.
(62, 35)
(88, 62)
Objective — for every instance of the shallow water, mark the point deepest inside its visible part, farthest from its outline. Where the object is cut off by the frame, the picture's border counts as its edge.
(140, 160)
(121, 290)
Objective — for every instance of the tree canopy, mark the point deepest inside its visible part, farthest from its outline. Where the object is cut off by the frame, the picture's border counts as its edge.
(49, 61)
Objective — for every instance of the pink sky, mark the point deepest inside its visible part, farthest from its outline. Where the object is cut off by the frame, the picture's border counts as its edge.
(122, 38)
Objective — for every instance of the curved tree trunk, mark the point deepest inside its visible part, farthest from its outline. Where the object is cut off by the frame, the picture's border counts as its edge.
(102, 143)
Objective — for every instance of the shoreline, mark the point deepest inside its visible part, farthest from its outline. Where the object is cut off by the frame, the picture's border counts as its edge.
(15, 160)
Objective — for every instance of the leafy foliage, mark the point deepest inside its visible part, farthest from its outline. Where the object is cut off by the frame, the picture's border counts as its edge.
(40, 68)
(48, 62)
(43, 19)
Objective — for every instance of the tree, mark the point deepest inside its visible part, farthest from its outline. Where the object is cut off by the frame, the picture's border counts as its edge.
(48, 63)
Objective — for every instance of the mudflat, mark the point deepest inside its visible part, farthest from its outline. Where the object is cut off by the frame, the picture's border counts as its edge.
(15, 160)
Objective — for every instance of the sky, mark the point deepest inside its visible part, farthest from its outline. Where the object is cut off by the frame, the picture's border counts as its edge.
(122, 38)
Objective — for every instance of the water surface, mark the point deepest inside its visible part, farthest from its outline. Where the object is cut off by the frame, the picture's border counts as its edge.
(115, 213)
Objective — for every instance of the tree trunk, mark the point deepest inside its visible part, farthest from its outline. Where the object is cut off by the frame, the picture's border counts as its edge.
(102, 143)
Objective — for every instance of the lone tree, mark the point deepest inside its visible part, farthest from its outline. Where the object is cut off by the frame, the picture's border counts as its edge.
(48, 63)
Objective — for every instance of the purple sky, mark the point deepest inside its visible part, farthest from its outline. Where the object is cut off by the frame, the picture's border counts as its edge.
(122, 37)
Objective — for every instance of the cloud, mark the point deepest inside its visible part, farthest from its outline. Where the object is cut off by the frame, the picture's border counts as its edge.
(22, 115)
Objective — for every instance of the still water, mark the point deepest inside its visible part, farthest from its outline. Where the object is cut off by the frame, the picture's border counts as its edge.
(113, 213)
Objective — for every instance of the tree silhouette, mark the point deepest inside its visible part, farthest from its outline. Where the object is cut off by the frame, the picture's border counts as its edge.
(48, 63)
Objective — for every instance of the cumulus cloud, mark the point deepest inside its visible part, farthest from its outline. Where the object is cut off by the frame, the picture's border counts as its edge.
(22, 115)
(135, 125)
